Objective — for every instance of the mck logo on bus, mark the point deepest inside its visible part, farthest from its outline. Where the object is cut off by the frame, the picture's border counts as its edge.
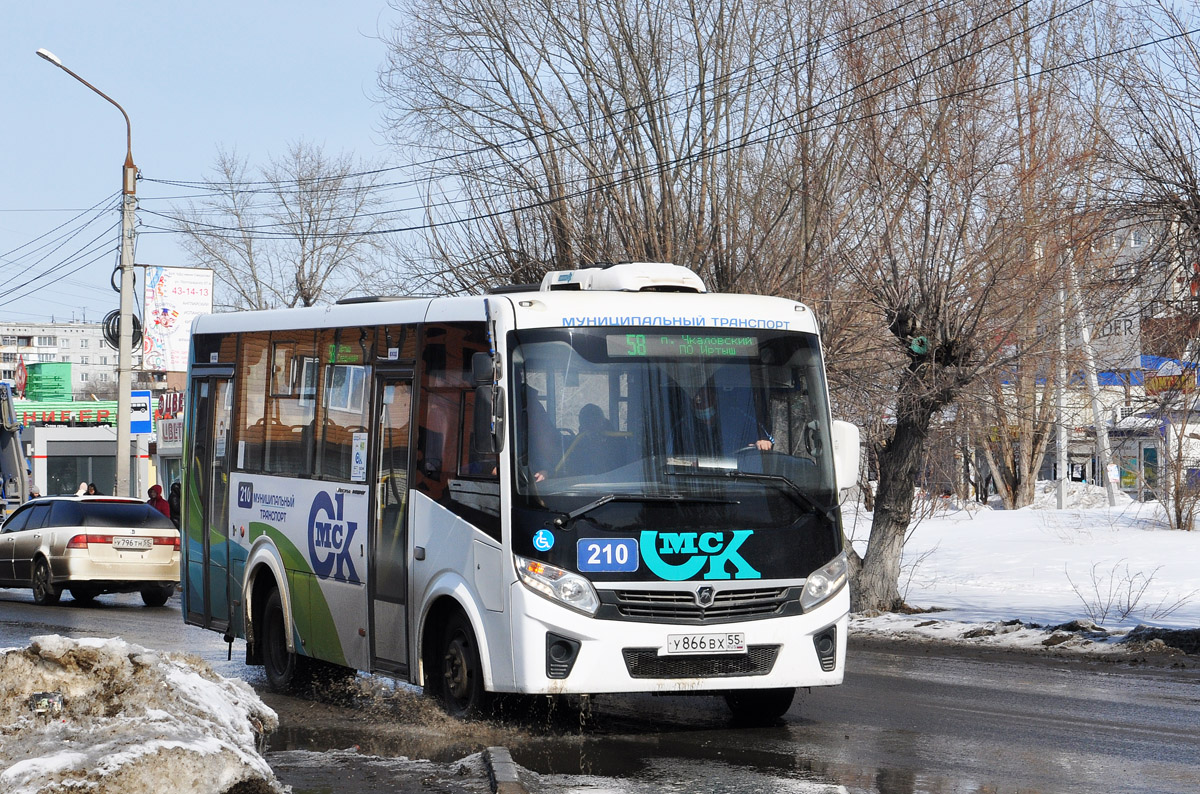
(329, 539)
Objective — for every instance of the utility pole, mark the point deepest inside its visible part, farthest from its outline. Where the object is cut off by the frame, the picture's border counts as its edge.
(125, 324)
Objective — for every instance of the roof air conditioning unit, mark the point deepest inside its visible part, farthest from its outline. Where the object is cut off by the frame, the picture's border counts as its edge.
(630, 277)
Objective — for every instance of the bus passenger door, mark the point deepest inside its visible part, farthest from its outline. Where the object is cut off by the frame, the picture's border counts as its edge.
(389, 534)
(207, 503)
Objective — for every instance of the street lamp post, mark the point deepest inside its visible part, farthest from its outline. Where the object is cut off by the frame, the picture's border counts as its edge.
(125, 325)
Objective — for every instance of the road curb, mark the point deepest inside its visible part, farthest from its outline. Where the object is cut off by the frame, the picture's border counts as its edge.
(502, 771)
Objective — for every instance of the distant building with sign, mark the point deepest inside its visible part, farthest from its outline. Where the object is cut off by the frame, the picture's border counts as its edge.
(68, 378)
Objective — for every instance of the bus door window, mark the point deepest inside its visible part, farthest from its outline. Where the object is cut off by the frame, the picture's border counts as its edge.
(392, 490)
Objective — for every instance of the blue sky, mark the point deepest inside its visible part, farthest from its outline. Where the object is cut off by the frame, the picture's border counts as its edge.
(250, 76)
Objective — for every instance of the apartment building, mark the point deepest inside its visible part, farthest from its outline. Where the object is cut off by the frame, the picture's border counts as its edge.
(93, 360)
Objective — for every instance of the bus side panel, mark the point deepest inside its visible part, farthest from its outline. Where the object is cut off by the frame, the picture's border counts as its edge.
(319, 530)
(237, 575)
(450, 557)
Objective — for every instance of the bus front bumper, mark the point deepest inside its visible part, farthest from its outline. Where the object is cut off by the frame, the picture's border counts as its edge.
(559, 651)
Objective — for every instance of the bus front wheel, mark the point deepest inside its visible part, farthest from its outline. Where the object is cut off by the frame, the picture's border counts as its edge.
(285, 670)
(459, 683)
(759, 706)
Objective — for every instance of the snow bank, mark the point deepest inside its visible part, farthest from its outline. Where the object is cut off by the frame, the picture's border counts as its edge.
(1080, 496)
(100, 715)
(1010, 577)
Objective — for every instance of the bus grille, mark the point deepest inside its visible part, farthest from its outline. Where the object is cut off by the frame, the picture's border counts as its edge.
(646, 663)
(679, 606)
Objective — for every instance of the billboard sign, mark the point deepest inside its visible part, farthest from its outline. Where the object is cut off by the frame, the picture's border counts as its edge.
(174, 297)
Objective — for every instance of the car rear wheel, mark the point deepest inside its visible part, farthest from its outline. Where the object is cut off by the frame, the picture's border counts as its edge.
(286, 671)
(157, 596)
(45, 592)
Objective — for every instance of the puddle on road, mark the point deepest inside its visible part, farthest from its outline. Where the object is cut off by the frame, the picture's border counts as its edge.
(625, 738)
(381, 717)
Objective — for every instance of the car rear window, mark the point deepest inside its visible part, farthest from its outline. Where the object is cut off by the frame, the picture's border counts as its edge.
(108, 514)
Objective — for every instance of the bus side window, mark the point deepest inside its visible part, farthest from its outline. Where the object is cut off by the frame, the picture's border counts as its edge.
(251, 412)
(445, 469)
(436, 438)
(472, 463)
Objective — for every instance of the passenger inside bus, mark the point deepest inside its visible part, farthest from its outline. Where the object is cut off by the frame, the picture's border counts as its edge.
(544, 442)
(720, 424)
(595, 448)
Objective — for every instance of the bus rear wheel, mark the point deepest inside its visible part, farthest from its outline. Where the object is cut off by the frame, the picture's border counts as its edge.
(459, 683)
(759, 706)
(286, 671)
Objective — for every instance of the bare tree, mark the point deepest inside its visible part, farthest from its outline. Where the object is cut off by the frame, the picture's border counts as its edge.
(874, 161)
(674, 131)
(1154, 140)
(300, 231)
(961, 184)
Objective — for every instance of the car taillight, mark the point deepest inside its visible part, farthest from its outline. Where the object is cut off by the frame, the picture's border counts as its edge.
(171, 541)
(82, 541)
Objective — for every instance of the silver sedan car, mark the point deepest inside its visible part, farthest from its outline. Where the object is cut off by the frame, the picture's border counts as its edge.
(90, 545)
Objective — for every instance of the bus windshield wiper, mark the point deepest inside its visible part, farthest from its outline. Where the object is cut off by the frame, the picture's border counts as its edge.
(639, 497)
(789, 486)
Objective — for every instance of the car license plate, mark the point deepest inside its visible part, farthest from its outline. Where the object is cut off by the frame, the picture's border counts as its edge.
(133, 544)
(704, 643)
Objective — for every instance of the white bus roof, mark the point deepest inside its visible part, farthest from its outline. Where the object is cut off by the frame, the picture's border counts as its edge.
(636, 294)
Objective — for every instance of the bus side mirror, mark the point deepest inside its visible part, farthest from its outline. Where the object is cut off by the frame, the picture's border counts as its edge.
(483, 368)
(485, 439)
(845, 453)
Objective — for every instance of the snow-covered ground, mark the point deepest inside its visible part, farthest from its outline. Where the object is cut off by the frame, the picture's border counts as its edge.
(993, 573)
(108, 716)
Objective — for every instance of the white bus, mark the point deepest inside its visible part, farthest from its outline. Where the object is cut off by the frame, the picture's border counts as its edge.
(613, 481)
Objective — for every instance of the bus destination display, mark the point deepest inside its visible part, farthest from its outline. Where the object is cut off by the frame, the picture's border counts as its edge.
(682, 346)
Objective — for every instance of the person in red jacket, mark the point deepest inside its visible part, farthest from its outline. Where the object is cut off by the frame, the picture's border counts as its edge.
(157, 502)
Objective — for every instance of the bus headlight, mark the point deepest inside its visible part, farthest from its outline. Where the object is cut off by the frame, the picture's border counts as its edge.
(823, 583)
(569, 589)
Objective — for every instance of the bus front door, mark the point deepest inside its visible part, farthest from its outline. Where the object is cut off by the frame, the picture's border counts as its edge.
(389, 536)
(207, 499)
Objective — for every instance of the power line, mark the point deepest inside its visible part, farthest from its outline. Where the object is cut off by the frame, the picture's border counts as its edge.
(103, 252)
(106, 200)
(272, 186)
(768, 131)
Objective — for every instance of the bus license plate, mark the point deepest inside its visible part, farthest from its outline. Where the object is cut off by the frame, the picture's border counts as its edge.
(704, 643)
(133, 544)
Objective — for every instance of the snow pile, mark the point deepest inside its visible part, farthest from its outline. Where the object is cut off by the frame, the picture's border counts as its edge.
(102, 715)
(1039, 577)
(1080, 496)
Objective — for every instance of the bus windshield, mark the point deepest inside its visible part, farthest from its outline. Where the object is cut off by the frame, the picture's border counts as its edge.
(610, 415)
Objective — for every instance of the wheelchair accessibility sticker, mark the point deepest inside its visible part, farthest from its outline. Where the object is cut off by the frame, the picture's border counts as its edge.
(543, 540)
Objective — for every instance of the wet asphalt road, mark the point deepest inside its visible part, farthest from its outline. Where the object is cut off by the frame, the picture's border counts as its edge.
(908, 719)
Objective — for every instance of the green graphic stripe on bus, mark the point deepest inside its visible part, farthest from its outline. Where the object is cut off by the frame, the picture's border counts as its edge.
(322, 640)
